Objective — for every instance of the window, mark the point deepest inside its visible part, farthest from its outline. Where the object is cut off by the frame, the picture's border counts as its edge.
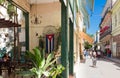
(115, 20)
(119, 17)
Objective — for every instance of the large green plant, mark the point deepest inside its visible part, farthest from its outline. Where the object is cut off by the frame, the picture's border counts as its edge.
(11, 10)
(56, 71)
(43, 66)
(87, 45)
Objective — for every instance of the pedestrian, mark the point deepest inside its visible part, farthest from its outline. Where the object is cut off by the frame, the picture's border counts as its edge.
(94, 60)
(84, 53)
(90, 53)
(109, 52)
(98, 54)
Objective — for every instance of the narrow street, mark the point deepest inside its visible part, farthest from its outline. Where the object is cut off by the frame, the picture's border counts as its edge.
(104, 69)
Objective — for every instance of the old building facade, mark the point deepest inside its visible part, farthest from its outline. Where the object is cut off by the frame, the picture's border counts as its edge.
(116, 29)
(106, 28)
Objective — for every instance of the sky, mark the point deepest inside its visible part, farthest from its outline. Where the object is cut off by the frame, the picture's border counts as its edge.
(95, 16)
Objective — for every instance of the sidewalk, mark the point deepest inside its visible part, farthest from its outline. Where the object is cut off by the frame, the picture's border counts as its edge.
(103, 69)
(113, 59)
(85, 70)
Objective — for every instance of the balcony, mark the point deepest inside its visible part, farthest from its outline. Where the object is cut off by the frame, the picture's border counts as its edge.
(105, 31)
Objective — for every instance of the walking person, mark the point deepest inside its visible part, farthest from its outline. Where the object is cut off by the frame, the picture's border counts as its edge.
(98, 54)
(85, 53)
(94, 59)
(109, 52)
(90, 53)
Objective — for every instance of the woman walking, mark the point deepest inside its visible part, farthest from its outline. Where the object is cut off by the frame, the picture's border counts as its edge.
(94, 60)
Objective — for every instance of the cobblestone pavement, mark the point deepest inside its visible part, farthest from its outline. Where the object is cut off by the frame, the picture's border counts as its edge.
(104, 69)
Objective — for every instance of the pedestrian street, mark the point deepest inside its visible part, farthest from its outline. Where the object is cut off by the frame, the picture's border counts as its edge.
(104, 69)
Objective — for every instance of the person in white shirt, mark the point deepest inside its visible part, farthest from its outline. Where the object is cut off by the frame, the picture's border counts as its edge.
(94, 60)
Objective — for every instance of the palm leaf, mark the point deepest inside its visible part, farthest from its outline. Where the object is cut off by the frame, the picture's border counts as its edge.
(37, 56)
(31, 56)
(42, 66)
(49, 58)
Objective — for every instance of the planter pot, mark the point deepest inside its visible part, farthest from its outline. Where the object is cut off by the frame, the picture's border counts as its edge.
(82, 60)
(71, 76)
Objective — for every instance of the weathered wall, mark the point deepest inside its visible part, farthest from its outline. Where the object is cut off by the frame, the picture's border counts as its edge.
(49, 17)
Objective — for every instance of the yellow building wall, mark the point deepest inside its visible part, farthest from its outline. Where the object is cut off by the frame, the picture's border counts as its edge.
(116, 18)
(115, 26)
(49, 14)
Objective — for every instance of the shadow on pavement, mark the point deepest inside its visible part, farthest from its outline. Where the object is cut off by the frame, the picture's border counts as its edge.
(107, 60)
(117, 64)
(118, 69)
(93, 66)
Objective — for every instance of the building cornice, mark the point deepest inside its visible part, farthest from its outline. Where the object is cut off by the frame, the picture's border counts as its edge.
(115, 6)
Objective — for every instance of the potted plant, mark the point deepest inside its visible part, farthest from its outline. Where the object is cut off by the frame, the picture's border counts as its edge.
(11, 10)
(56, 71)
(43, 66)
